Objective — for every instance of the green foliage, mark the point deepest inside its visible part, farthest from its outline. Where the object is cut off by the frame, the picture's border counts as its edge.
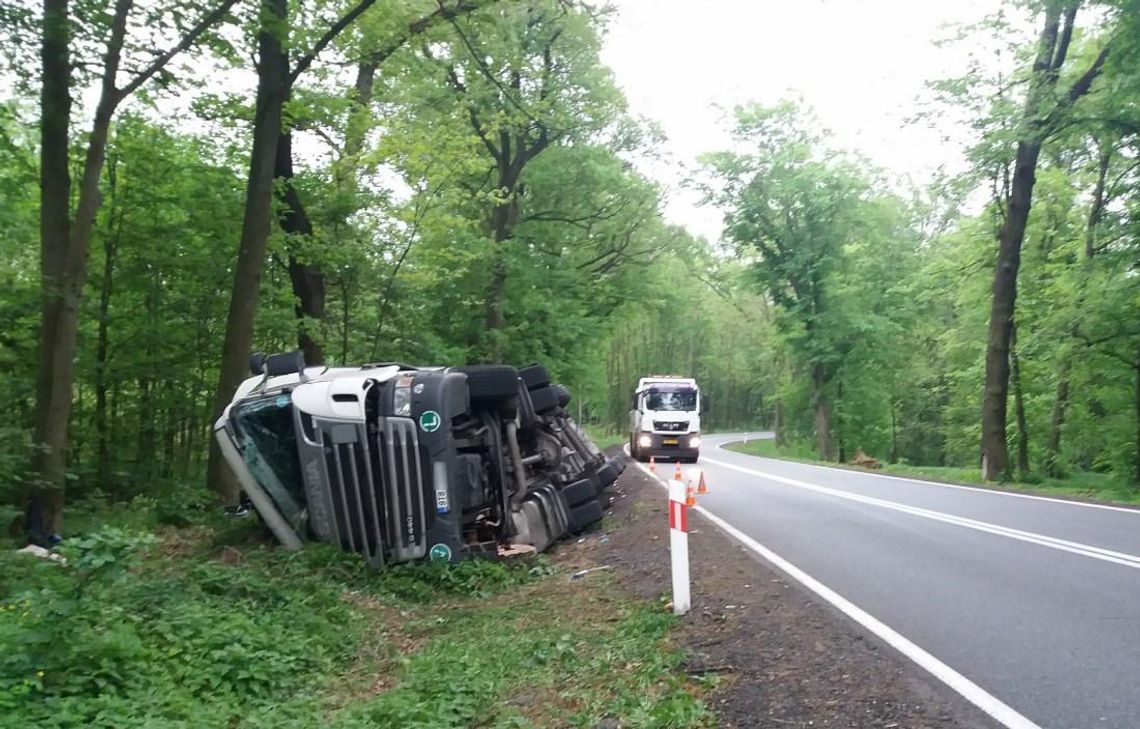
(136, 632)
(475, 578)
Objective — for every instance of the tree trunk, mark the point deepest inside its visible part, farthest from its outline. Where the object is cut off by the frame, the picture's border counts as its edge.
(1019, 409)
(1061, 400)
(103, 450)
(53, 377)
(839, 422)
(822, 415)
(307, 279)
(1096, 211)
(272, 89)
(1057, 421)
(995, 454)
(894, 457)
(503, 218)
(1136, 456)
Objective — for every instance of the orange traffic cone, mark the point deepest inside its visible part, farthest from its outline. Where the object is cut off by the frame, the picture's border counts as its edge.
(702, 489)
(677, 475)
(690, 499)
(653, 465)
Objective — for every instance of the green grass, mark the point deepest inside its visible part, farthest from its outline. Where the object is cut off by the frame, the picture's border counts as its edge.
(205, 626)
(604, 437)
(1081, 485)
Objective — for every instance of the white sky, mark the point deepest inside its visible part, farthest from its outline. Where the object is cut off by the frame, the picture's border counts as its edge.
(860, 64)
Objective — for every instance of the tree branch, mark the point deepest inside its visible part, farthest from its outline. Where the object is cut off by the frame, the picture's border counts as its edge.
(334, 30)
(424, 24)
(487, 73)
(187, 40)
(1066, 38)
(1084, 83)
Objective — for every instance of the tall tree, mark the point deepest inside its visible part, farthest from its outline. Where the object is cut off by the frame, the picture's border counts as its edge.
(277, 77)
(795, 210)
(65, 240)
(1040, 117)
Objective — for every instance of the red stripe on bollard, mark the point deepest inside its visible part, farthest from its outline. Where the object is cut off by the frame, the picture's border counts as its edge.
(678, 516)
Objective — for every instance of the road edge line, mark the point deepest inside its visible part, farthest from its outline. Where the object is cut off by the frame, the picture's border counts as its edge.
(992, 706)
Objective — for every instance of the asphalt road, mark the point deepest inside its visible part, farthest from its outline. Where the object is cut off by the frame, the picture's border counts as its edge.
(1036, 601)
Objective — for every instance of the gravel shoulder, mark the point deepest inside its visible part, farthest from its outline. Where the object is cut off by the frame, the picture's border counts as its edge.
(781, 657)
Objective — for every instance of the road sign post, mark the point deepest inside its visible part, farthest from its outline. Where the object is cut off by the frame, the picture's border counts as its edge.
(679, 545)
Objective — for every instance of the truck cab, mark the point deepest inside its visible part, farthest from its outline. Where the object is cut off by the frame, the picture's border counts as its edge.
(665, 419)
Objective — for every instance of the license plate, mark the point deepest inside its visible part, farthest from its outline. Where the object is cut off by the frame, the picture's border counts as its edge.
(669, 441)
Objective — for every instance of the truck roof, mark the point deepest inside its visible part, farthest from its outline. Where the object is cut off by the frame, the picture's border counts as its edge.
(674, 380)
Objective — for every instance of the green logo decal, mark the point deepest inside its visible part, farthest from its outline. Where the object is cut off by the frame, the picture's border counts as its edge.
(430, 421)
(440, 553)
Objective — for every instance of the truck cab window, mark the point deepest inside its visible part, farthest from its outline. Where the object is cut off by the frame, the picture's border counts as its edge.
(675, 401)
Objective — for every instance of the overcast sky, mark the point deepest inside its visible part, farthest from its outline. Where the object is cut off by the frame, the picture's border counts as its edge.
(861, 64)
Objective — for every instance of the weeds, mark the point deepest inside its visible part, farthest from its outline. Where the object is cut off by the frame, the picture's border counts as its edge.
(134, 632)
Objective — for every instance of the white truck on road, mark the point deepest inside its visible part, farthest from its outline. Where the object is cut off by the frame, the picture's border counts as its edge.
(665, 419)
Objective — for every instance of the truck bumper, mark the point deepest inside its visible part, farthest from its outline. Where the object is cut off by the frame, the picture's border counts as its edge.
(667, 446)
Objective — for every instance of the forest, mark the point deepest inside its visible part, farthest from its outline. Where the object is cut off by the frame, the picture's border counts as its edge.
(462, 181)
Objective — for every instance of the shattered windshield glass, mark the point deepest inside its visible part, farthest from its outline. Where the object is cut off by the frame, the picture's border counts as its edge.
(672, 400)
(268, 444)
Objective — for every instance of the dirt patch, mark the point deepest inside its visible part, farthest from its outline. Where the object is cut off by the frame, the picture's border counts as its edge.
(783, 657)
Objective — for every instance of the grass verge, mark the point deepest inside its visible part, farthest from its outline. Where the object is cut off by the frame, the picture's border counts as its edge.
(604, 437)
(1083, 485)
(200, 627)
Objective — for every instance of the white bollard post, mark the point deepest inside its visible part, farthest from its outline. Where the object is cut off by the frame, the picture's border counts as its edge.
(679, 546)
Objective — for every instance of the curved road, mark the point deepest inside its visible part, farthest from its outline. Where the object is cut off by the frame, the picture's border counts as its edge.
(1034, 600)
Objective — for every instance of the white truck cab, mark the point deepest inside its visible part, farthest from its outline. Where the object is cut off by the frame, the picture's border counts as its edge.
(665, 419)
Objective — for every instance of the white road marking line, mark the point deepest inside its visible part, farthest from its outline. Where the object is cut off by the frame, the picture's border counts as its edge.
(943, 484)
(975, 694)
(1078, 548)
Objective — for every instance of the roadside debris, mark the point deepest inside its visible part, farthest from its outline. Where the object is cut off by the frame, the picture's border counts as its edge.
(582, 573)
(865, 461)
(37, 551)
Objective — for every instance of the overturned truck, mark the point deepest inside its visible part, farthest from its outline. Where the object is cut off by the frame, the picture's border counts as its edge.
(403, 463)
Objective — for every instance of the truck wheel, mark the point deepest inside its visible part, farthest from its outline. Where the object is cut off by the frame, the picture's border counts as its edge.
(491, 383)
(534, 376)
(606, 474)
(563, 394)
(585, 515)
(579, 492)
(545, 400)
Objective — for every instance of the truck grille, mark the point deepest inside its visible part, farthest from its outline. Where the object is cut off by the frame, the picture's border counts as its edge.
(670, 426)
(377, 489)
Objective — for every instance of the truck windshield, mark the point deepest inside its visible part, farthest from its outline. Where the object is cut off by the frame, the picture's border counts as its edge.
(268, 444)
(672, 400)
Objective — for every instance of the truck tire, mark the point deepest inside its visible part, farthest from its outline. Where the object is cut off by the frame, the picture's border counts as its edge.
(545, 400)
(563, 395)
(528, 419)
(491, 383)
(607, 473)
(579, 492)
(585, 515)
(534, 376)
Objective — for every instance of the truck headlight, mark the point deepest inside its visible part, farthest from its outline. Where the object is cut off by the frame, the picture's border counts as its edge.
(695, 441)
(402, 401)
(644, 441)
